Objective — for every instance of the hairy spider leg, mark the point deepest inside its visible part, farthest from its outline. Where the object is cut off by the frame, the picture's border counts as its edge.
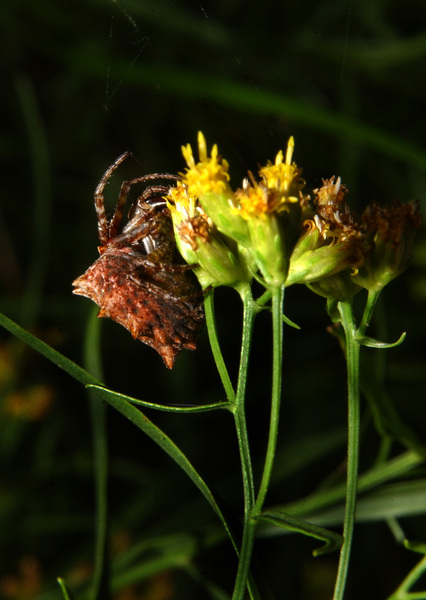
(100, 202)
(115, 221)
(141, 225)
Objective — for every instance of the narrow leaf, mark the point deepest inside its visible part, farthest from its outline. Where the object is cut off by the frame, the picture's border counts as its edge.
(54, 356)
(197, 408)
(64, 589)
(159, 437)
(332, 540)
(125, 408)
(372, 343)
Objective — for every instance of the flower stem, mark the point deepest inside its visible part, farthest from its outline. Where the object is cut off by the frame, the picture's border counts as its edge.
(277, 329)
(252, 507)
(239, 412)
(352, 359)
(214, 343)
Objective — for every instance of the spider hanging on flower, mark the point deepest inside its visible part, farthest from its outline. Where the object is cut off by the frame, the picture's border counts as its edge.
(140, 281)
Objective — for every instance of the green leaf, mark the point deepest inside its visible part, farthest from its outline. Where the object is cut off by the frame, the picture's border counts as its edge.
(50, 353)
(332, 540)
(161, 439)
(290, 323)
(364, 340)
(67, 594)
(419, 547)
(122, 406)
(163, 407)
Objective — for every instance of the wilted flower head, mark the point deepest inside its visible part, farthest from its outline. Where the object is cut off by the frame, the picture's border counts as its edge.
(392, 229)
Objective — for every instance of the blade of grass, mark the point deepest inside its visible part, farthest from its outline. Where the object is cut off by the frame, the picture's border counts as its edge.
(125, 408)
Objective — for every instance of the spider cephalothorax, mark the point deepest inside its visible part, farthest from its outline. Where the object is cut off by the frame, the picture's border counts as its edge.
(140, 280)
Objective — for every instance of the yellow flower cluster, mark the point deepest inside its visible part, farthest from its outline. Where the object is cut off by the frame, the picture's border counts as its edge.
(270, 230)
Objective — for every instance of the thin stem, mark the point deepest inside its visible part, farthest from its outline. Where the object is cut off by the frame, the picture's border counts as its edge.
(352, 359)
(372, 298)
(251, 507)
(277, 329)
(92, 360)
(214, 343)
(403, 593)
(240, 585)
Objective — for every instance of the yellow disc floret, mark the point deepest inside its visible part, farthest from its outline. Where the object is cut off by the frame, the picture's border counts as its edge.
(210, 174)
(283, 178)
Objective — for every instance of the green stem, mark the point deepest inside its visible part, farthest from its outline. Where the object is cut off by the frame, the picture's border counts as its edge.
(370, 305)
(92, 360)
(214, 343)
(252, 507)
(352, 359)
(240, 585)
(403, 593)
(277, 329)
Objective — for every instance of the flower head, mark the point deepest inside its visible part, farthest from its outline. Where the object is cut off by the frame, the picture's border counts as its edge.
(277, 190)
(208, 175)
(271, 209)
(207, 182)
(331, 247)
(392, 229)
(216, 258)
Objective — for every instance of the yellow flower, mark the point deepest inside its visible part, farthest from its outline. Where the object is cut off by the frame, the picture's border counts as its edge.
(207, 182)
(271, 209)
(277, 190)
(209, 175)
(216, 257)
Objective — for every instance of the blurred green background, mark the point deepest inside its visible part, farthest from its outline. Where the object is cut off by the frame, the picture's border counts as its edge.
(85, 80)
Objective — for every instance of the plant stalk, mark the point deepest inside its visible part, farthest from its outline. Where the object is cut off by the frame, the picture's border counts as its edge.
(352, 361)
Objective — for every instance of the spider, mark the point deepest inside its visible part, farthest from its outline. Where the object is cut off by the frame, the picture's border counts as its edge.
(140, 280)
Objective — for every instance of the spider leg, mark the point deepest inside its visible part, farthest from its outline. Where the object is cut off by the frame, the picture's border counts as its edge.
(139, 228)
(152, 197)
(99, 200)
(124, 193)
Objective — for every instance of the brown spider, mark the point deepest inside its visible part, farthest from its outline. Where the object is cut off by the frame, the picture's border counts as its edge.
(140, 280)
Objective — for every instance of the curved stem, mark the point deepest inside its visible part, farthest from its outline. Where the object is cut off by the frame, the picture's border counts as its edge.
(214, 343)
(352, 359)
(277, 329)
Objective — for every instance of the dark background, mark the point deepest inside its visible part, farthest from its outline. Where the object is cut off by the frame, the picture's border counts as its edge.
(82, 82)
